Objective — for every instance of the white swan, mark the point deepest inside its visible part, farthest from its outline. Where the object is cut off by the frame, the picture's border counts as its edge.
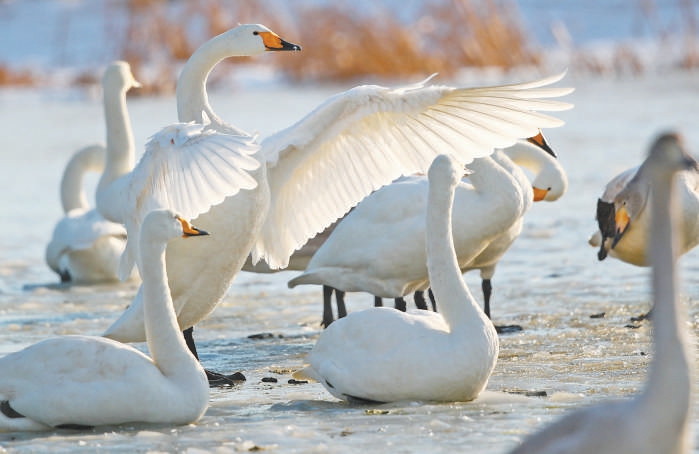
(384, 355)
(378, 248)
(657, 419)
(623, 216)
(301, 178)
(77, 381)
(85, 248)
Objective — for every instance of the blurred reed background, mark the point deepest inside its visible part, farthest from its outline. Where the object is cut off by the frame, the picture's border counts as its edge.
(350, 40)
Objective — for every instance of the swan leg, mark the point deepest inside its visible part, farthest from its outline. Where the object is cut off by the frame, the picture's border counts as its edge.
(400, 304)
(341, 308)
(419, 298)
(327, 307)
(487, 288)
(378, 301)
(216, 380)
(432, 300)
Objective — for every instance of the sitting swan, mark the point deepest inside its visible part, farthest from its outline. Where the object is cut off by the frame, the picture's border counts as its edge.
(385, 355)
(379, 247)
(623, 216)
(83, 381)
(299, 180)
(657, 419)
(85, 248)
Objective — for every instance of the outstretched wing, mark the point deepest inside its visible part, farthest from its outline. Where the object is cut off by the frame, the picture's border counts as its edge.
(364, 138)
(188, 168)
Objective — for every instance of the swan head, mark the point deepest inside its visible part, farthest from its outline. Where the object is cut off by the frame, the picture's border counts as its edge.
(550, 183)
(164, 225)
(118, 76)
(667, 155)
(255, 39)
(445, 170)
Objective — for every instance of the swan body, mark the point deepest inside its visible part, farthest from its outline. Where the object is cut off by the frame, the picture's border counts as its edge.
(307, 175)
(85, 248)
(623, 215)
(386, 230)
(384, 355)
(657, 419)
(76, 381)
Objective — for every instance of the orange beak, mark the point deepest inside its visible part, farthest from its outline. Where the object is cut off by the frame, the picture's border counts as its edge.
(539, 194)
(272, 41)
(622, 221)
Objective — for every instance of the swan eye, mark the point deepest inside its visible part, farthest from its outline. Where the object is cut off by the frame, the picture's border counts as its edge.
(255, 33)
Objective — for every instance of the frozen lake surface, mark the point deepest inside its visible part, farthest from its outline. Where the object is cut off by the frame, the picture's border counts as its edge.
(550, 282)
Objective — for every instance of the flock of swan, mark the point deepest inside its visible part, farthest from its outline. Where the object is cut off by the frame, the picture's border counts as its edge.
(408, 232)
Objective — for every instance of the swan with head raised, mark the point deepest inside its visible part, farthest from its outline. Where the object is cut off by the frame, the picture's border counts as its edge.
(85, 248)
(385, 355)
(83, 381)
(657, 419)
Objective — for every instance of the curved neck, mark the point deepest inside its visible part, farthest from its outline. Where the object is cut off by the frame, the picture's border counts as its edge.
(527, 156)
(89, 159)
(192, 98)
(500, 193)
(120, 142)
(456, 304)
(165, 341)
(669, 380)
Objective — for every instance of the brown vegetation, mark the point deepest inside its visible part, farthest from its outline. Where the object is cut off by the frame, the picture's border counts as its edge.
(342, 41)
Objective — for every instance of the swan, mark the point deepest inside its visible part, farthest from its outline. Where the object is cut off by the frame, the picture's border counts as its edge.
(623, 216)
(84, 381)
(271, 196)
(85, 248)
(657, 419)
(379, 247)
(385, 355)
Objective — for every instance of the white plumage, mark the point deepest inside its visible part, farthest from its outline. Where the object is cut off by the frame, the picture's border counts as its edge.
(85, 248)
(312, 172)
(384, 355)
(91, 381)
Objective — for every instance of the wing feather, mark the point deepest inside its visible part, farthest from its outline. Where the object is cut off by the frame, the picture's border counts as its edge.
(188, 168)
(368, 136)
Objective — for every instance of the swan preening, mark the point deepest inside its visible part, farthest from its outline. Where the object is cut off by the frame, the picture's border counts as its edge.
(85, 248)
(623, 215)
(79, 381)
(385, 355)
(270, 197)
(379, 247)
(657, 419)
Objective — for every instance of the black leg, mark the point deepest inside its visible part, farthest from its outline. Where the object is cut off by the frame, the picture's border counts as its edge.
(189, 339)
(432, 300)
(216, 380)
(327, 307)
(487, 291)
(378, 302)
(400, 304)
(341, 308)
(419, 298)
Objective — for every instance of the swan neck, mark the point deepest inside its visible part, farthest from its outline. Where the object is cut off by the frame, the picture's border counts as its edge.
(192, 97)
(669, 380)
(527, 157)
(500, 189)
(165, 341)
(456, 304)
(120, 141)
(90, 159)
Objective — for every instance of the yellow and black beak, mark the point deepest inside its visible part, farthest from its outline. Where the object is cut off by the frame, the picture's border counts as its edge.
(272, 41)
(622, 222)
(189, 230)
(539, 141)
